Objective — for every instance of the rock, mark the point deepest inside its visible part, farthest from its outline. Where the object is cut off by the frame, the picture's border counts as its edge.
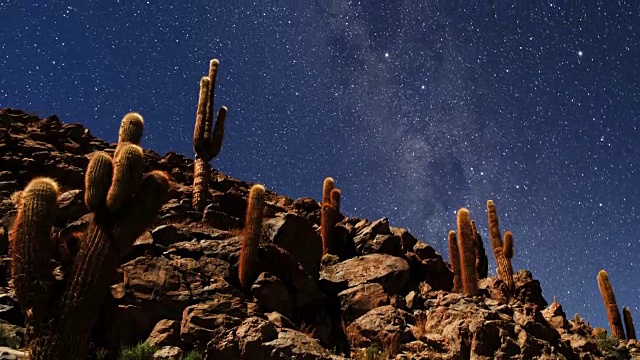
(380, 326)
(168, 353)
(271, 294)
(165, 287)
(532, 321)
(377, 238)
(406, 239)
(202, 321)
(528, 290)
(165, 333)
(166, 235)
(389, 271)
(71, 206)
(556, 317)
(433, 271)
(360, 299)
(296, 235)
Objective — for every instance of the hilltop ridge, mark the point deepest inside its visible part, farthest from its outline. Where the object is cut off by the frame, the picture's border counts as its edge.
(178, 287)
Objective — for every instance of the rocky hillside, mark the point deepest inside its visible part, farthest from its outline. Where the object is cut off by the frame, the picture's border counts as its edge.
(387, 294)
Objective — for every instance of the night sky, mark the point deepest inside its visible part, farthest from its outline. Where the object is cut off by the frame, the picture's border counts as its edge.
(416, 109)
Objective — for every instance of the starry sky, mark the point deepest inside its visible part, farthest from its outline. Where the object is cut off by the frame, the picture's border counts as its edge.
(416, 109)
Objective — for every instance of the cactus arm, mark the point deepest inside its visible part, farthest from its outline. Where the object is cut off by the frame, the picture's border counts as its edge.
(131, 129)
(127, 174)
(218, 134)
(199, 131)
(97, 181)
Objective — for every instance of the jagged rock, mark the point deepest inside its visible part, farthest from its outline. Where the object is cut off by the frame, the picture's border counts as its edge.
(271, 294)
(556, 317)
(165, 333)
(360, 299)
(259, 339)
(389, 271)
(166, 287)
(168, 353)
(381, 326)
(71, 206)
(377, 238)
(427, 266)
(406, 239)
(204, 320)
(296, 235)
(166, 235)
(528, 290)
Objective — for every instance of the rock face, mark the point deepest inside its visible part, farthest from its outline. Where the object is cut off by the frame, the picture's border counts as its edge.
(178, 288)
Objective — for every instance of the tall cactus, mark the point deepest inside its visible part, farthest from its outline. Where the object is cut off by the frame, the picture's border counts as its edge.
(454, 259)
(610, 304)
(207, 138)
(121, 214)
(628, 323)
(505, 271)
(251, 236)
(466, 247)
(330, 215)
(327, 186)
(482, 262)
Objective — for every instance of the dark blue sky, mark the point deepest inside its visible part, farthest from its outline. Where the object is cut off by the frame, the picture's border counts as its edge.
(416, 109)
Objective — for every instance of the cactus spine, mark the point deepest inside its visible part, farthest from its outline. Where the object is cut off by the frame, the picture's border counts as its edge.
(207, 138)
(505, 271)
(251, 236)
(454, 258)
(628, 323)
(466, 247)
(610, 304)
(121, 214)
(482, 262)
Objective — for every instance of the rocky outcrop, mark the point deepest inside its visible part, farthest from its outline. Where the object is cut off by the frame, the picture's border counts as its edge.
(178, 288)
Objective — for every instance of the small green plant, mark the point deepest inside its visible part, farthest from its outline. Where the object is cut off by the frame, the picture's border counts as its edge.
(142, 351)
(608, 345)
(192, 355)
(9, 340)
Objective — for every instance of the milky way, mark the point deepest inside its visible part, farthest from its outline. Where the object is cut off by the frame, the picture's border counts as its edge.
(416, 109)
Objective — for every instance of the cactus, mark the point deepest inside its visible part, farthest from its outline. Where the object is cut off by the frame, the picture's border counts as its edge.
(454, 258)
(131, 129)
(207, 138)
(466, 247)
(482, 262)
(505, 272)
(121, 214)
(32, 249)
(628, 323)
(508, 245)
(330, 208)
(327, 186)
(609, 299)
(251, 236)
(335, 196)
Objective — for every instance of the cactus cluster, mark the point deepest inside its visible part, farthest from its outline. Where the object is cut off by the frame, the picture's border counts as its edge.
(124, 202)
(613, 313)
(207, 138)
(330, 215)
(251, 236)
(466, 255)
